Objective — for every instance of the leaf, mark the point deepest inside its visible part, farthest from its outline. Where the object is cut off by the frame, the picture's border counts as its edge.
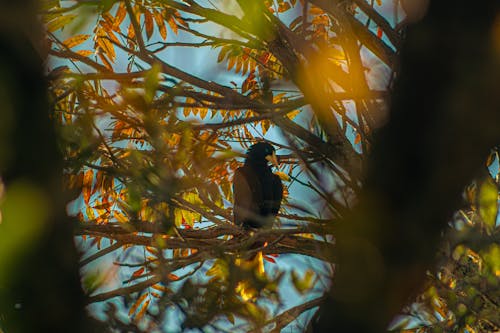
(172, 277)
(106, 47)
(119, 17)
(172, 24)
(88, 178)
(379, 32)
(130, 32)
(230, 317)
(283, 7)
(223, 52)
(283, 176)
(279, 98)
(75, 40)
(137, 303)
(120, 217)
(148, 22)
(59, 22)
(305, 283)
(203, 113)
(230, 63)
(357, 139)
(138, 272)
(270, 259)
(105, 61)
(84, 53)
(293, 114)
(160, 22)
(488, 202)
(316, 10)
(161, 287)
(265, 124)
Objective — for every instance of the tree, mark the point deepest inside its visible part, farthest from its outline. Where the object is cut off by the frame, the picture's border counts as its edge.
(153, 171)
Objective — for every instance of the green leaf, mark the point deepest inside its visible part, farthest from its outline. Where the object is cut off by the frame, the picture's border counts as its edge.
(60, 22)
(305, 283)
(151, 82)
(488, 202)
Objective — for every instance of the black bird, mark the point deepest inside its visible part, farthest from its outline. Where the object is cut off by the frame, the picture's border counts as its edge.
(257, 190)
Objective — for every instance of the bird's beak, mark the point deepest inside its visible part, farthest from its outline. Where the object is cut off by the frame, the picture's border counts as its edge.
(273, 159)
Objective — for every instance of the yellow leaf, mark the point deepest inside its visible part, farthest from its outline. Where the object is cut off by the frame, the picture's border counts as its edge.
(106, 47)
(141, 313)
(120, 217)
(278, 97)
(75, 40)
(283, 176)
(84, 53)
(293, 114)
(203, 113)
(59, 22)
(305, 283)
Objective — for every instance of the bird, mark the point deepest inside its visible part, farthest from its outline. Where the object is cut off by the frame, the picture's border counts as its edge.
(257, 191)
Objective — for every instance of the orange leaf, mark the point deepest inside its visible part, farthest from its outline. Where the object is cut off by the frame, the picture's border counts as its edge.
(172, 24)
(161, 24)
(357, 139)
(87, 184)
(137, 303)
(270, 259)
(379, 32)
(161, 287)
(120, 15)
(138, 272)
(148, 22)
(131, 32)
(173, 277)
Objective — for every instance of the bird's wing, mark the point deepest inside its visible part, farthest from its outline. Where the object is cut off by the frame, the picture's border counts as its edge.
(277, 194)
(244, 202)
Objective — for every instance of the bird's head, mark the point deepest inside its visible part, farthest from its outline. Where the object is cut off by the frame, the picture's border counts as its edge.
(262, 152)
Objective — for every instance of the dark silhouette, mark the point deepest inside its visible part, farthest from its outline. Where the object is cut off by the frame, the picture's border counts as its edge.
(257, 190)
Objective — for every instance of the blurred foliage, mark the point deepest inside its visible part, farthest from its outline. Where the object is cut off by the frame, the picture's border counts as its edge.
(463, 294)
(150, 150)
